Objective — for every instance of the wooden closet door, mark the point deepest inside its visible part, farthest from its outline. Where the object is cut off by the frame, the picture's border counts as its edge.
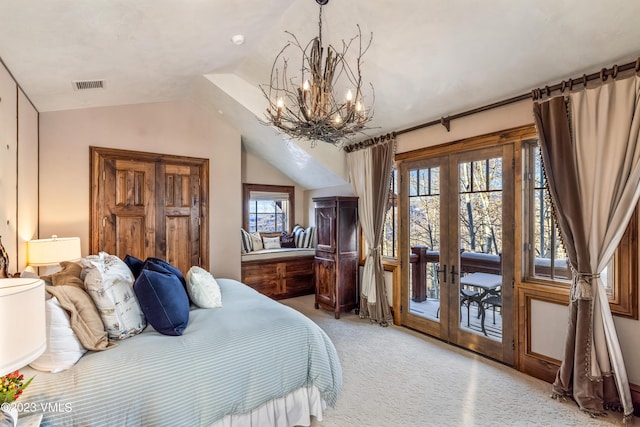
(178, 221)
(128, 212)
(150, 205)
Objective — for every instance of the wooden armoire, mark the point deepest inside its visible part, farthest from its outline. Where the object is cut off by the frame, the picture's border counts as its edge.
(336, 259)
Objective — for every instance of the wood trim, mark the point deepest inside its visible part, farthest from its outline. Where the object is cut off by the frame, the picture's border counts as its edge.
(535, 364)
(625, 299)
(392, 265)
(528, 361)
(474, 143)
(248, 188)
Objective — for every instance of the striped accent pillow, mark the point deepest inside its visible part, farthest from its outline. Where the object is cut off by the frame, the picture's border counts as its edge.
(304, 238)
(246, 242)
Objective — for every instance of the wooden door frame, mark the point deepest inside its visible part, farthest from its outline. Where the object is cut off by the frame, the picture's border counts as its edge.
(96, 160)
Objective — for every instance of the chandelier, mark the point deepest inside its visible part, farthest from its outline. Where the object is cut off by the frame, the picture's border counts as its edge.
(325, 102)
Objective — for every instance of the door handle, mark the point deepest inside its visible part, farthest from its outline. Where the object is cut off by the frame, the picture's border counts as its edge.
(453, 274)
(444, 271)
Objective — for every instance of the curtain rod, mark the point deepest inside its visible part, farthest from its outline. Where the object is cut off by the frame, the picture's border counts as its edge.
(603, 74)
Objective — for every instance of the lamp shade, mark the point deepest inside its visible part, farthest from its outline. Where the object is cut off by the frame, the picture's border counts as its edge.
(53, 251)
(22, 316)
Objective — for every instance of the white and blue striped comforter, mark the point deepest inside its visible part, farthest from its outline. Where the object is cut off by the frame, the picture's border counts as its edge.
(229, 360)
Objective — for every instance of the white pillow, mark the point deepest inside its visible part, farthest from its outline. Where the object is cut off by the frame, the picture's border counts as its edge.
(271, 242)
(202, 288)
(63, 347)
(109, 282)
(256, 241)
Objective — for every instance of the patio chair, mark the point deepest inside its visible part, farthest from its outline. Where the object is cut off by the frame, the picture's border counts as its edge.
(467, 297)
(492, 301)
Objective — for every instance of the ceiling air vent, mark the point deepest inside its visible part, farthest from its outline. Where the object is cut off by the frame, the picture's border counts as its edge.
(88, 84)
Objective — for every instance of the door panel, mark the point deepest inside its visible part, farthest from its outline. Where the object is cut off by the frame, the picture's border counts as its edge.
(180, 238)
(459, 219)
(129, 208)
(426, 213)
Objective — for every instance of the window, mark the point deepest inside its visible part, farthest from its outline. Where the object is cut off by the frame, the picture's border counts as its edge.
(390, 238)
(424, 207)
(545, 257)
(268, 208)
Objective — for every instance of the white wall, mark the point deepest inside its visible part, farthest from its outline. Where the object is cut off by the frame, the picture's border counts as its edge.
(257, 171)
(178, 128)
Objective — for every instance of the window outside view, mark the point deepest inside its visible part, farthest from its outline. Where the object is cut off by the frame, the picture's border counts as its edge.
(268, 216)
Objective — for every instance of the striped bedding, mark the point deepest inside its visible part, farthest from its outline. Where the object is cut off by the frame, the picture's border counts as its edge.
(230, 360)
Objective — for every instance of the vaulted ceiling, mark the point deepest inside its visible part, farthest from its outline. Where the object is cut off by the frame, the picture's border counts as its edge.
(429, 58)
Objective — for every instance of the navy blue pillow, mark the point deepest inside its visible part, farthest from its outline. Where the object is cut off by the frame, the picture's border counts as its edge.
(163, 300)
(164, 264)
(134, 264)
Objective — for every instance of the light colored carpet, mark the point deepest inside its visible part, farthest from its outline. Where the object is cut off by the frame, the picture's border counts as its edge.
(397, 377)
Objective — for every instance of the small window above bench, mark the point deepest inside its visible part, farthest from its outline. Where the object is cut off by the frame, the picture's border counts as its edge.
(268, 208)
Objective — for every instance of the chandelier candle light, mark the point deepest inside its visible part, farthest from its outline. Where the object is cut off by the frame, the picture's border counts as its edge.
(313, 111)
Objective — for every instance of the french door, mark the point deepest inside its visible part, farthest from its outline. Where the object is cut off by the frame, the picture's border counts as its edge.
(457, 230)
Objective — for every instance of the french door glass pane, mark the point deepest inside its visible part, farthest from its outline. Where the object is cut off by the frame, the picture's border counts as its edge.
(424, 239)
(480, 234)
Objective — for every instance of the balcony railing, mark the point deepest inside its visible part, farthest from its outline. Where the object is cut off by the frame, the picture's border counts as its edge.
(425, 265)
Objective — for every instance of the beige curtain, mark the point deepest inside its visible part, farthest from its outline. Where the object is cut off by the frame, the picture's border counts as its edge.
(370, 176)
(591, 154)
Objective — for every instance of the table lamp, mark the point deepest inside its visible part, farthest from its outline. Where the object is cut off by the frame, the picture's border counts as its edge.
(47, 252)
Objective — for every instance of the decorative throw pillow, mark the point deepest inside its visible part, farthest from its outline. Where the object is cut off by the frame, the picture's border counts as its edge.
(109, 282)
(169, 267)
(202, 288)
(134, 264)
(69, 275)
(163, 299)
(288, 240)
(297, 228)
(305, 238)
(84, 317)
(256, 241)
(271, 242)
(63, 347)
(246, 242)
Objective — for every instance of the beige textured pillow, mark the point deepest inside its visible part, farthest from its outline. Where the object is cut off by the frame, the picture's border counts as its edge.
(85, 320)
(256, 241)
(271, 242)
(68, 276)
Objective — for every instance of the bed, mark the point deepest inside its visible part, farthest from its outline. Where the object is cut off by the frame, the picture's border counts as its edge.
(251, 362)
